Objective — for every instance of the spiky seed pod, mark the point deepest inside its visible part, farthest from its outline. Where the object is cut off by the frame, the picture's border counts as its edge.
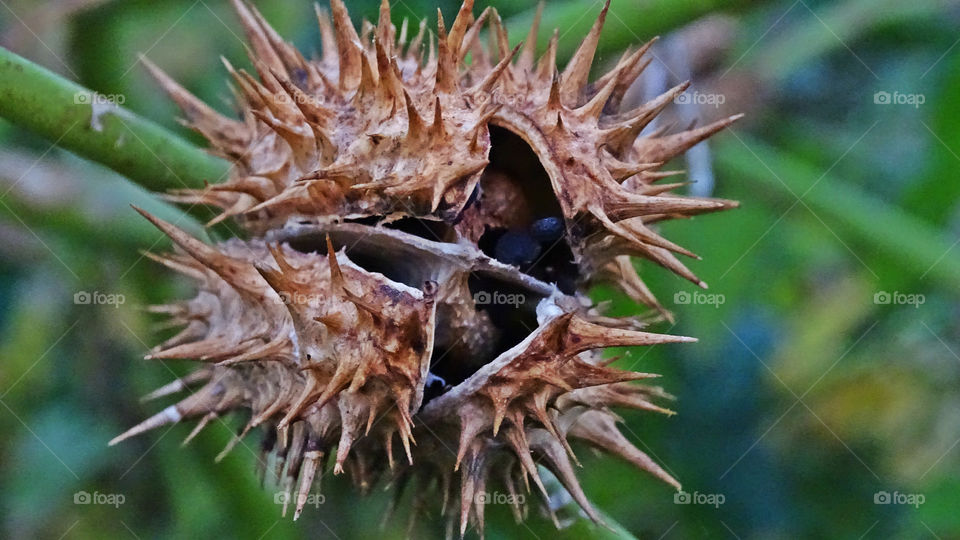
(423, 228)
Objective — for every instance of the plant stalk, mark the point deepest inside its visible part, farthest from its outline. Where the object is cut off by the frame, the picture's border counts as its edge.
(97, 128)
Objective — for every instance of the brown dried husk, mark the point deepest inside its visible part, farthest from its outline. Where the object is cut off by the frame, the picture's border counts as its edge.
(324, 326)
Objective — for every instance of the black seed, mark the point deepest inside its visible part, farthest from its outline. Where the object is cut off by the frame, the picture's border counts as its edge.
(435, 380)
(474, 195)
(434, 387)
(516, 248)
(548, 229)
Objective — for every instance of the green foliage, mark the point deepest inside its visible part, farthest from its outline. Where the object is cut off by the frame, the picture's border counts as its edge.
(803, 400)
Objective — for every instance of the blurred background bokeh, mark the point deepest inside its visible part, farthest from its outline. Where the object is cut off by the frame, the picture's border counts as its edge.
(827, 378)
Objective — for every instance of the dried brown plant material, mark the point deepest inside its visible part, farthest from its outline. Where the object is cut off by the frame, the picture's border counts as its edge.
(425, 214)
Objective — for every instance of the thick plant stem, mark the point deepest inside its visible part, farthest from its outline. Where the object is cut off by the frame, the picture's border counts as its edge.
(96, 128)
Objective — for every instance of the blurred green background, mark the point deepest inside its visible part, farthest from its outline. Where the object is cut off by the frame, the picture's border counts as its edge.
(827, 373)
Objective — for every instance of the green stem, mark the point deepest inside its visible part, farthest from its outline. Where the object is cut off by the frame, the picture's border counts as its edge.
(96, 128)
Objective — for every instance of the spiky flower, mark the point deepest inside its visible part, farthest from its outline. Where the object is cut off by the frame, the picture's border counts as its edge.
(425, 214)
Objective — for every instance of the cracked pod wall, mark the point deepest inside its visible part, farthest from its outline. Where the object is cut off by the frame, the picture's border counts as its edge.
(424, 213)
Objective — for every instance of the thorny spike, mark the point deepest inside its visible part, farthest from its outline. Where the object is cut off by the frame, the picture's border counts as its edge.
(259, 42)
(312, 458)
(177, 385)
(446, 64)
(473, 33)
(170, 415)
(328, 40)
(575, 75)
(525, 61)
(459, 28)
(599, 428)
(232, 444)
(228, 135)
(348, 46)
(385, 26)
(177, 266)
(553, 102)
(207, 255)
(556, 460)
(547, 65)
(487, 84)
(415, 125)
(207, 418)
(671, 146)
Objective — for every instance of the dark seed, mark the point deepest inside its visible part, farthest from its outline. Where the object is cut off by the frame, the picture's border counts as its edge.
(516, 248)
(435, 380)
(547, 229)
(435, 387)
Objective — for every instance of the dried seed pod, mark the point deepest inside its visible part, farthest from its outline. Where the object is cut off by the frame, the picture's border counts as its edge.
(422, 231)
